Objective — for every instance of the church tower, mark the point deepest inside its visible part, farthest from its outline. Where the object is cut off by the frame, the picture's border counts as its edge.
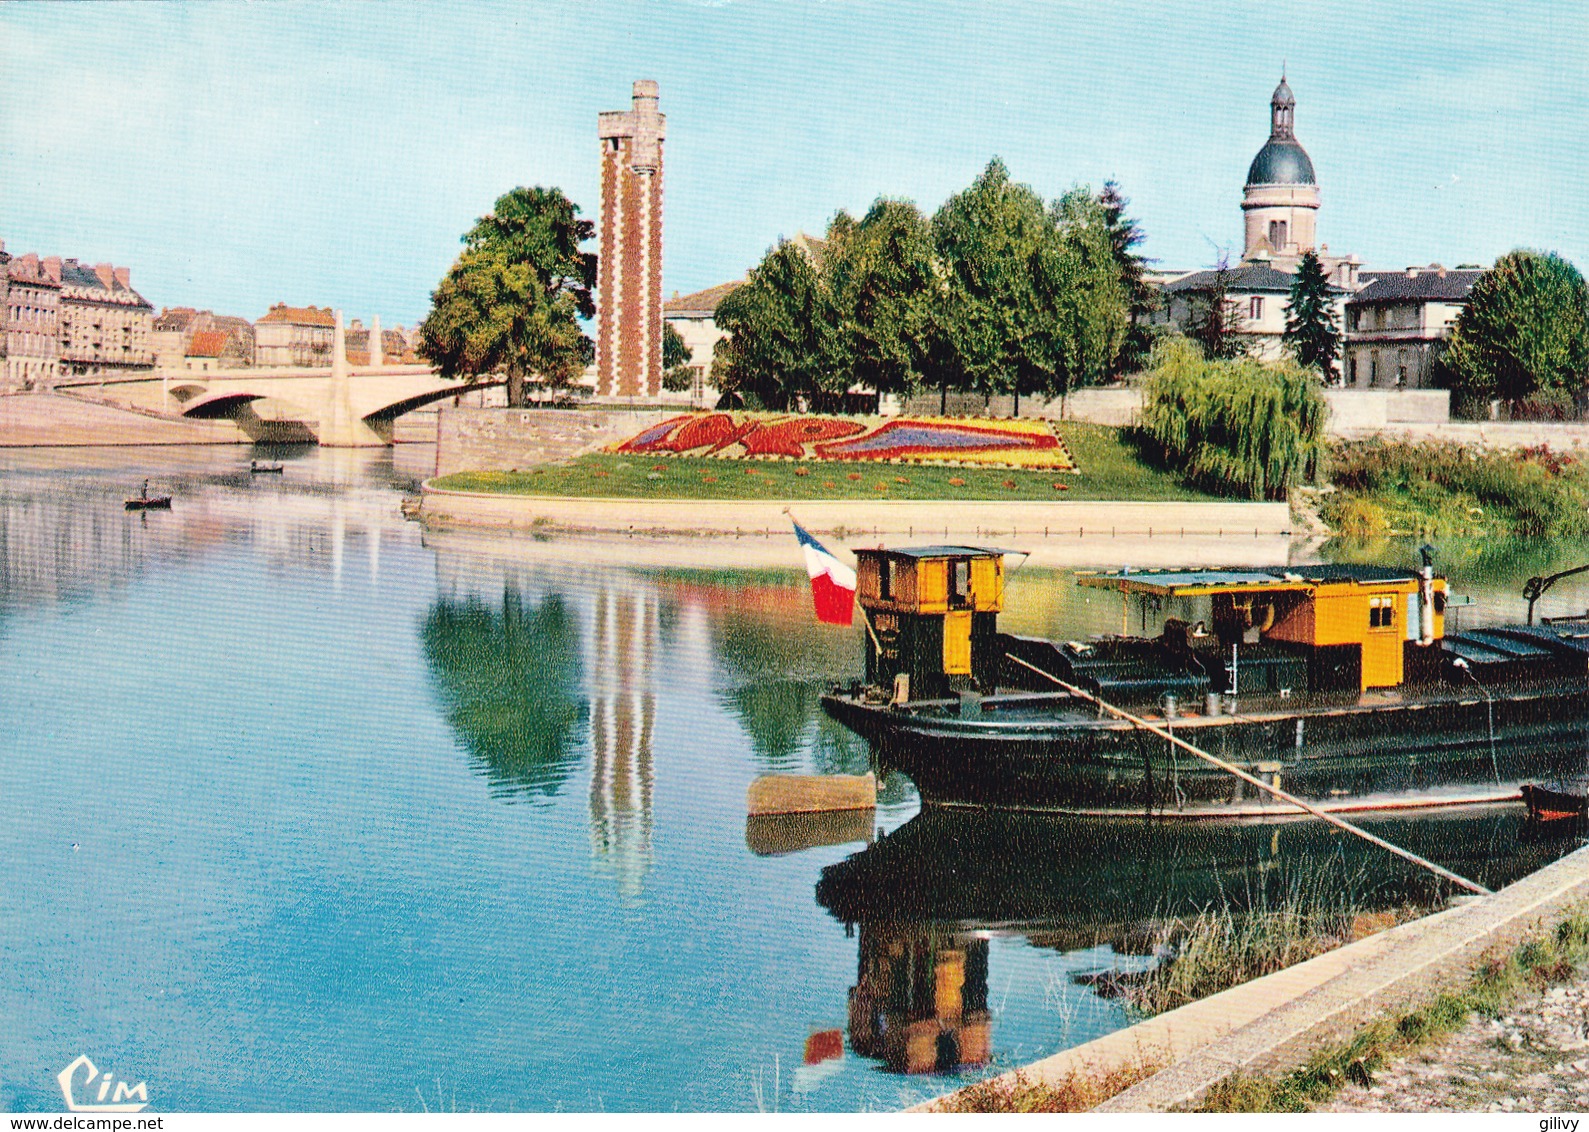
(629, 272)
(1281, 199)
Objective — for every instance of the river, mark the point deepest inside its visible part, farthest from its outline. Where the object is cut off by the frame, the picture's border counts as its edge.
(302, 807)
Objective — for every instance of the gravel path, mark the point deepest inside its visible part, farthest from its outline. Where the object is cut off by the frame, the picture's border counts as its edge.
(1535, 1058)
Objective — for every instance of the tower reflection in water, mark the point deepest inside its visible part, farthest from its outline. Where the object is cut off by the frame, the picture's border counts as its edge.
(624, 632)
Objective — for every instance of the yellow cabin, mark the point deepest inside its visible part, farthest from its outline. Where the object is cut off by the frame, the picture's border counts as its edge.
(1364, 627)
(932, 614)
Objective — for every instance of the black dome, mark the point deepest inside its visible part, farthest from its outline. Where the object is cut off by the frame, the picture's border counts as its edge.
(1281, 162)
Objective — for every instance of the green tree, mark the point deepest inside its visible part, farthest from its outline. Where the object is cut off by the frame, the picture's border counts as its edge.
(996, 329)
(1232, 427)
(1311, 334)
(1125, 234)
(676, 376)
(784, 347)
(1524, 331)
(881, 278)
(1215, 318)
(513, 301)
(1081, 280)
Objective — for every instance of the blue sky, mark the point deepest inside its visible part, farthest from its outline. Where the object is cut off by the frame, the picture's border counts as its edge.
(236, 155)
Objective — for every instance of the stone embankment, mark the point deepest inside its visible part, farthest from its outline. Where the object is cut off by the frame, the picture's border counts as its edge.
(43, 420)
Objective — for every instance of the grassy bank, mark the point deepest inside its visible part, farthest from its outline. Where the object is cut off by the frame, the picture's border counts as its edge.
(1533, 966)
(1447, 490)
(1109, 469)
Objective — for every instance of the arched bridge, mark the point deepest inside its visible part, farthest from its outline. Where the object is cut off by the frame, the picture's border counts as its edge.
(353, 408)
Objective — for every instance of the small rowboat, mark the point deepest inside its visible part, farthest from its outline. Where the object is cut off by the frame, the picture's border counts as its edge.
(1545, 804)
(258, 469)
(146, 502)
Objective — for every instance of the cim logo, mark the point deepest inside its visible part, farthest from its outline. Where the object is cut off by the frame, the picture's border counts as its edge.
(82, 1075)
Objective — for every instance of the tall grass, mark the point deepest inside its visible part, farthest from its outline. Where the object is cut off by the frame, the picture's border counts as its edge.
(1447, 489)
(1232, 427)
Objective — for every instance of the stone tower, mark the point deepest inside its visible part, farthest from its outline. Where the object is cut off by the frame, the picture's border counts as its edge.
(629, 275)
(1281, 199)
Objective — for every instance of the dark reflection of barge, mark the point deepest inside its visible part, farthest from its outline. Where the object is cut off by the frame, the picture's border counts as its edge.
(928, 897)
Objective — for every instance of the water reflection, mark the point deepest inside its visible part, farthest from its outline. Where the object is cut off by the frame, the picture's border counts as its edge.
(928, 897)
(624, 650)
(509, 680)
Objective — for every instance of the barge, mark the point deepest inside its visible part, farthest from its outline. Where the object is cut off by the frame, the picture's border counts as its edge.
(1335, 683)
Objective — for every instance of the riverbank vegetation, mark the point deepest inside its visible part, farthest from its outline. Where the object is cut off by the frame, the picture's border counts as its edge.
(1231, 427)
(1444, 490)
(1110, 469)
(1534, 965)
(1221, 948)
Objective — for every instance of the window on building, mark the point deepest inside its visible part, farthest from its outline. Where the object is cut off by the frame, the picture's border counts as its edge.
(1255, 307)
(1373, 369)
(1351, 369)
(1277, 234)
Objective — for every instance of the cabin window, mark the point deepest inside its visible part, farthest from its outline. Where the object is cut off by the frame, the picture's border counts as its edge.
(1255, 307)
(959, 581)
(1381, 612)
(885, 579)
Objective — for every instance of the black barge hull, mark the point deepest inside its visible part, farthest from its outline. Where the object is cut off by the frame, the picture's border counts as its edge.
(1056, 753)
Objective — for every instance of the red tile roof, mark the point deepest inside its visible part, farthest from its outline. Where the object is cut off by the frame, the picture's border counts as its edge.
(207, 344)
(300, 316)
(706, 300)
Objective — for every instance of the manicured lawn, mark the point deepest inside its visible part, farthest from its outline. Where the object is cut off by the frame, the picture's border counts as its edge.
(1109, 469)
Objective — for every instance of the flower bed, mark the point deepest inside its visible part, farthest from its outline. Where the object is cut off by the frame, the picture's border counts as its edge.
(740, 436)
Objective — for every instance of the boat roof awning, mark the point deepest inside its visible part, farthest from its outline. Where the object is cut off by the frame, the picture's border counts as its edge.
(1237, 579)
(935, 551)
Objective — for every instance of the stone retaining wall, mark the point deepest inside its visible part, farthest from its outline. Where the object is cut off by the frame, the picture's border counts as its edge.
(498, 440)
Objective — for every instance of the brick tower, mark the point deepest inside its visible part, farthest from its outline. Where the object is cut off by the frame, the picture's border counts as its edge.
(629, 277)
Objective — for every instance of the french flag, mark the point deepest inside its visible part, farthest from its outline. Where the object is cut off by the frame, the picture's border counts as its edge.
(832, 582)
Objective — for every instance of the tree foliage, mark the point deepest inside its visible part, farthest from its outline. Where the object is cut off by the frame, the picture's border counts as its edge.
(512, 302)
(1227, 425)
(1525, 330)
(783, 346)
(1125, 235)
(1311, 334)
(676, 376)
(1215, 318)
(997, 293)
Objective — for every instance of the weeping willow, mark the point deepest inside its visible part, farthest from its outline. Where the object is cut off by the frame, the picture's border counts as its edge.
(1233, 428)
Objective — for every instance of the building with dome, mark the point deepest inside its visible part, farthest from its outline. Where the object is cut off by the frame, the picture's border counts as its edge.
(1280, 208)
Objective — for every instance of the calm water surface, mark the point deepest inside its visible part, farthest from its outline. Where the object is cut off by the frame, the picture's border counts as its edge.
(302, 808)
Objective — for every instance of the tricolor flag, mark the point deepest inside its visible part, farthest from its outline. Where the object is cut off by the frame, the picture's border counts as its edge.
(832, 582)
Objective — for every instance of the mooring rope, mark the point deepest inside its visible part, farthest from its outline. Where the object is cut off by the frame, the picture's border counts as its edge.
(1339, 823)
